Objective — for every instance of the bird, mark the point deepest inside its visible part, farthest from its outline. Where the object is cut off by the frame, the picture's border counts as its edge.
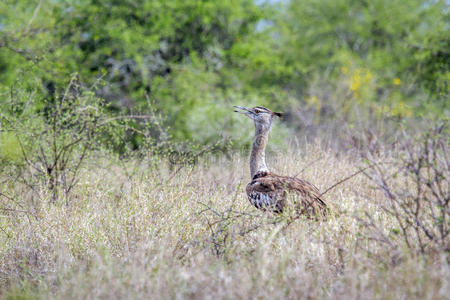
(271, 192)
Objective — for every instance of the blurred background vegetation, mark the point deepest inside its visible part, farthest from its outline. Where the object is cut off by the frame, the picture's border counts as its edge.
(334, 66)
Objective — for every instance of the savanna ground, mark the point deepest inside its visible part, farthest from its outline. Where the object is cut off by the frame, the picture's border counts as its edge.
(123, 168)
(146, 229)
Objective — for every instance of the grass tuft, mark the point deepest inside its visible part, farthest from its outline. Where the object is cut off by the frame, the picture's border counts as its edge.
(135, 232)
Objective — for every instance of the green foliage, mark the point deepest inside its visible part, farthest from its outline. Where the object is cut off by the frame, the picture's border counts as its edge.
(48, 140)
(10, 148)
(403, 44)
(195, 59)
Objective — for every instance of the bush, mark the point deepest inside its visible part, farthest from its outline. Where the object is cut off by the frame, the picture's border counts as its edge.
(53, 137)
(415, 185)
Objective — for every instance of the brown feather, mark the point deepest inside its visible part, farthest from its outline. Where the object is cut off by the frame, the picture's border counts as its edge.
(270, 191)
(273, 192)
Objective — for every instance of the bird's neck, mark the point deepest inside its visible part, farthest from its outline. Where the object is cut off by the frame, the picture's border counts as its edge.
(258, 154)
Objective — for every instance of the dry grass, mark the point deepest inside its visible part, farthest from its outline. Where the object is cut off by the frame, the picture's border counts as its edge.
(136, 232)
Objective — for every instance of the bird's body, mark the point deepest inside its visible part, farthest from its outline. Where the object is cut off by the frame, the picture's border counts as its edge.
(268, 191)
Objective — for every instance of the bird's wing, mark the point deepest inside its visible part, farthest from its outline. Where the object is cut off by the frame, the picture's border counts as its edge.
(306, 189)
(263, 192)
(276, 188)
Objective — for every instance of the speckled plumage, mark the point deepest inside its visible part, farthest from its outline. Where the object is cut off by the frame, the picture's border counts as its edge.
(268, 191)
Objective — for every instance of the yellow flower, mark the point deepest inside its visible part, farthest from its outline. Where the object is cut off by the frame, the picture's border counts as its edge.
(313, 100)
(344, 70)
(397, 81)
(355, 84)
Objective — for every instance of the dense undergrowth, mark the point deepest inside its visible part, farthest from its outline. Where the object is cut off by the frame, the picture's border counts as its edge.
(138, 228)
(120, 170)
(320, 61)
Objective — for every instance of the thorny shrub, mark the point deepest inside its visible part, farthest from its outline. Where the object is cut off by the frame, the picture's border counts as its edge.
(55, 136)
(415, 184)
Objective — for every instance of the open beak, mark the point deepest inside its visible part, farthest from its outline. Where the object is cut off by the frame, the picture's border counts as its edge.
(243, 110)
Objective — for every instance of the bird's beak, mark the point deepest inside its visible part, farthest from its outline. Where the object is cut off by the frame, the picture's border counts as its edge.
(243, 110)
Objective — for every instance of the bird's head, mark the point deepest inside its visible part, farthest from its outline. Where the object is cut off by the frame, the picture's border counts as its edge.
(261, 116)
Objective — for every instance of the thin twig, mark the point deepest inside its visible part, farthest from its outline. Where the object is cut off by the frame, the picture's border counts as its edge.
(307, 166)
(345, 179)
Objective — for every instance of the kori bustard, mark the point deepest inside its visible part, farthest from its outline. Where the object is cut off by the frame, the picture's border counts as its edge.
(268, 191)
